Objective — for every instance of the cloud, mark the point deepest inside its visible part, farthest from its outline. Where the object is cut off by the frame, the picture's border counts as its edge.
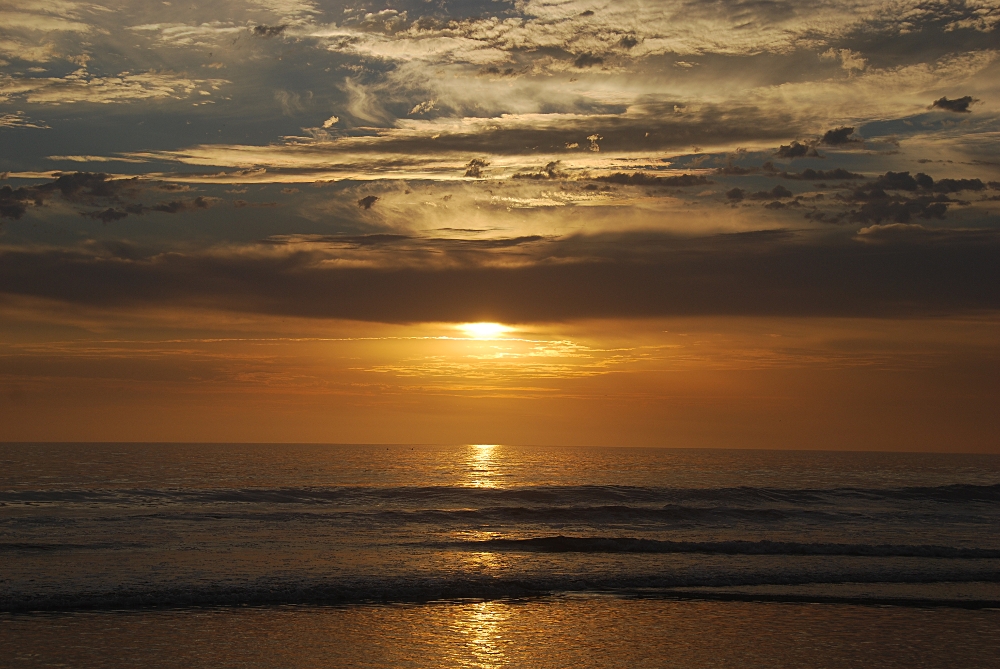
(108, 215)
(364, 105)
(206, 34)
(642, 179)
(777, 193)
(267, 31)
(292, 103)
(96, 189)
(175, 206)
(771, 272)
(81, 86)
(849, 60)
(367, 201)
(14, 202)
(958, 105)
(475, 167)
(443, 145)
(27, 50)
(20, 120)
(810, 174)
(587, 60)
(797, 150)
(839, 137)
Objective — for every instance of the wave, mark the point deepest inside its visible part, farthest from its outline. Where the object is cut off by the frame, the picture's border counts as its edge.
(430, 589)
(562, 544)
(519, 496)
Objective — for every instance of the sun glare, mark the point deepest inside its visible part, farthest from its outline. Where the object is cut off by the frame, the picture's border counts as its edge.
(484, 330)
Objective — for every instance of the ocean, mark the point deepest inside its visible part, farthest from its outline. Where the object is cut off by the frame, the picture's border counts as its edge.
(304, 555)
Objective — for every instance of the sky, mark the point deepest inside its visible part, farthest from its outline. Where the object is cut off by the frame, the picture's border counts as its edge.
(729, 223)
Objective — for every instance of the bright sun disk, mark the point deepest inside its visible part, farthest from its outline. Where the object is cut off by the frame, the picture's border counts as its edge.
(484, 330)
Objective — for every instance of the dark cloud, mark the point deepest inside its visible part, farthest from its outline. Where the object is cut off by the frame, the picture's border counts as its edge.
(958, 105)
(839, 137)
(367, 201)
(267, 31)
(736, 194)
(912, 233)
(182, 205)
(96, 189)
(900, 210)
(736, 170)
(642, 179)
(87, 186)
(797, 150)
(896, 197)
(587, 60)
(810, 174)
(550, 171)
(921, 181)
(84, 187)
(105, 215)
(173, 207)
(403, 243)
(475, 167)
(778, 192)
(494, 71)
(651, 127)
(957, 185)
(632, 275)
(898, 181)
(14, 202)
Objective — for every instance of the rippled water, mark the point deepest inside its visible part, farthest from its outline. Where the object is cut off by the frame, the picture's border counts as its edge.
(381, 533)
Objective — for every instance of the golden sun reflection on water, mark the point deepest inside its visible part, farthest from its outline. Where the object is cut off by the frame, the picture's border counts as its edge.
(483, 469)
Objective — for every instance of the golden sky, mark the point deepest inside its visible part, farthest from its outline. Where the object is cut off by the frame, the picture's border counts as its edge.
(725, 224)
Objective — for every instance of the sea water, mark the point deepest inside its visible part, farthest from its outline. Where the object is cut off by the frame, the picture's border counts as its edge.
(491, 555)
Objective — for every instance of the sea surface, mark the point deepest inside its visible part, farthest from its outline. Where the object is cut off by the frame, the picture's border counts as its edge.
(278, 555)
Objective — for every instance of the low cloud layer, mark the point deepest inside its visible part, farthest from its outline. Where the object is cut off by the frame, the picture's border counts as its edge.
(637, 275)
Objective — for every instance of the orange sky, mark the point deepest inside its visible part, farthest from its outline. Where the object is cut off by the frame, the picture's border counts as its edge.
(747, 224)
(828, 383)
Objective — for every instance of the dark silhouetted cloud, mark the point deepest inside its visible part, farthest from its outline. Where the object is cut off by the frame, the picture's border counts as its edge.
(267, 31)
(626, 275)
(642, 179)
(550, 171)
(839, 137)
(810, 174)
(105, 215)
(587, 60)
(778, 192)
(475, 167)
(958, 105)
(14, 202)
(796, 150)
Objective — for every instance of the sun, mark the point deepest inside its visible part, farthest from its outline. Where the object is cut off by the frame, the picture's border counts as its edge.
(484, 330)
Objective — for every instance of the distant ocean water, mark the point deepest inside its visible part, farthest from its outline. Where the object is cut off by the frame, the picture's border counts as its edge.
(91, 533)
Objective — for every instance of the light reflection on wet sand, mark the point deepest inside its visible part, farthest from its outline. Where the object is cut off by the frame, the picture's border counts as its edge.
(564, 632)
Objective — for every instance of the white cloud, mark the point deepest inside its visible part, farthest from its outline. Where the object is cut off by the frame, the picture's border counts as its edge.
(182, 34)
(20, 120)
(81, 86)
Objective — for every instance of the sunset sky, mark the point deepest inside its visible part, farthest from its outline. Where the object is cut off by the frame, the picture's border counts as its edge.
(742, 223)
